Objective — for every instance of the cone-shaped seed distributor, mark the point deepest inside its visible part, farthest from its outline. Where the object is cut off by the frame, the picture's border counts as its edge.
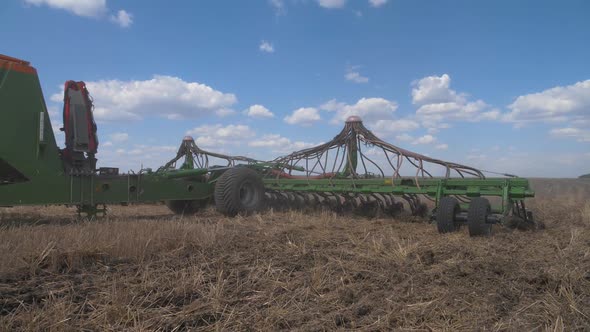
(347, 156)
(185, 147)
(352, 147)
(195, 157)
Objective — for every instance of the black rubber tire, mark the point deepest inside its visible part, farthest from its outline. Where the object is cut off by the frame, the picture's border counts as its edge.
(448, 208)
(479, 209)
(186, 207)
(239, 190)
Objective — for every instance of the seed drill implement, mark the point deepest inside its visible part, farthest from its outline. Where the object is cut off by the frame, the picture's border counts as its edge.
(355, 172)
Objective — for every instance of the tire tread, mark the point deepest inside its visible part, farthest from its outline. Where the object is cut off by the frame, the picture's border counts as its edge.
(227, 196)
(445, 215)
(479, 208)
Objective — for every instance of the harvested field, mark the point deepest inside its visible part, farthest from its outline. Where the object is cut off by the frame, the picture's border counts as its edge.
(144, 269)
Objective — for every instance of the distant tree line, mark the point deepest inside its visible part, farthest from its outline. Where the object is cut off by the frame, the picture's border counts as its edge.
(585, 176)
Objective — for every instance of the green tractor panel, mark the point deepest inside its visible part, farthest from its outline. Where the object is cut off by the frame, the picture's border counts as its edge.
(34, 170)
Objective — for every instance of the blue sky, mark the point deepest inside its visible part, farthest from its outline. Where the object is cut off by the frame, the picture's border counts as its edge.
(501, 85)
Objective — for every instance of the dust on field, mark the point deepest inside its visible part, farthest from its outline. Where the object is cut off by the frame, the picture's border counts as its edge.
(145, 269)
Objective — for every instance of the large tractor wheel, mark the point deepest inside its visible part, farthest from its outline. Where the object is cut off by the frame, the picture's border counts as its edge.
(239, 190)
(479, 209)
(186, 206)
(448, 208)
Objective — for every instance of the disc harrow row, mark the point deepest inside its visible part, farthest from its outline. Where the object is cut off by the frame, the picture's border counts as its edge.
(370, 205)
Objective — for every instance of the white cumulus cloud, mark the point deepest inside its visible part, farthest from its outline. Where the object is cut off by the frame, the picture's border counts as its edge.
(258, 111)
(278, 6)
(441, 146)
(433, 90)
(404, 137)
(426, 139)
(331, 4)
(437, 102)
(369, 109)
(304, 116)
(122, 18)
(353, 75)
(222, 112)
(164, 96)
(395, 126)
(87, 8)
(119, 137)
(266, 47)
(377, 3)
(278, 143)
(219, 135)
(581, 135)
(558, 104)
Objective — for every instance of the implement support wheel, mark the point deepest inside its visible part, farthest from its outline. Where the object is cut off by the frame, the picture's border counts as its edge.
(239, 190)
(448, 208)
(479, 209)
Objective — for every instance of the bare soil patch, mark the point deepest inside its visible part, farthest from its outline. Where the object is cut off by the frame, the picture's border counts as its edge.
(143, 268)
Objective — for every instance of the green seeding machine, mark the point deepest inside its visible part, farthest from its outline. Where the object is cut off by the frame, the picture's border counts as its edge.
(354, 172)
